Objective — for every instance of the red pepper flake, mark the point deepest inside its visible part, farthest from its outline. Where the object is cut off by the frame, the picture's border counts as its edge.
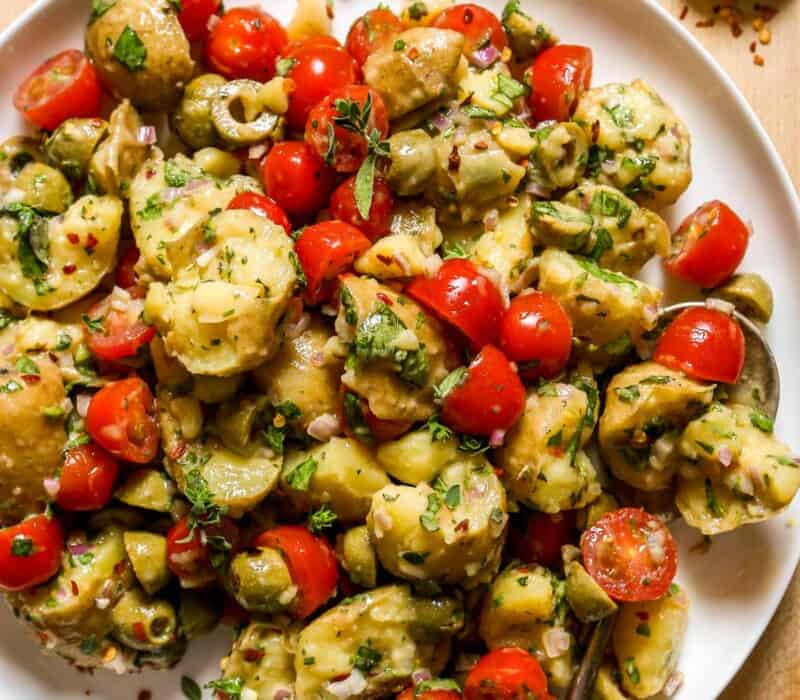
(481, 146)
(684, 12)
(150, 174)
(139, 631)
(595, 131)
(74, 587)
(643, 615)
(499, 472)
(413, 53)
(706, 23)
(753, 47)
(736, 29)
(253, 655)
(385, 299)
(463, 526)
(73, 238)
(454, 161)
(385, 259)
(120, 567)
(91, 241)
(758, 59)
(144, 695)
(69, 268)
(31, 378)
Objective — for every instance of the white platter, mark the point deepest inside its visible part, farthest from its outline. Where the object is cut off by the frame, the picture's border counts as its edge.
(734, 588)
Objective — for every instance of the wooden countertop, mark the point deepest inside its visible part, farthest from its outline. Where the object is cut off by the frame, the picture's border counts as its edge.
(773, 671)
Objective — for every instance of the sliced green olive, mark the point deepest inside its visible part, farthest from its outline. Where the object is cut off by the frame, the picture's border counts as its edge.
(358, 556)
(147, 554)
(71, 146)
(243, 98)
(44, 188)
(259, 580)
(236, 419)
(217, 162)
(192, 120)
(750, 294)
(199, 613)
(147, 488)
(144, 623)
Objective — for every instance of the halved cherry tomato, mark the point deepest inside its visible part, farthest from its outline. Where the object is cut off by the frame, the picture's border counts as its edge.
(317, 40)
(536, 333)
(462, 296)
(87, 478)
(361, 423)
(30, 552)
(371, 31)
(343, 148)
(344, 208)
(432, 693)
(311, 562)
(489, 398)
(480, 28)
(63, 87)
(704, 343)
(263, 206)
(121, 418)
(126, 276)
(245, 44)
(297, 179)
(317, 69)
(325, 251)
(558, 78)
(189, 550)
(631, 554)
(507, 674)
(540, 537)
(709, 245)
(194, 16)
(123, 332)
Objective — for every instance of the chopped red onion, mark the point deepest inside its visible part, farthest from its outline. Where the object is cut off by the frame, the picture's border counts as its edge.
(442, 121)
(497, 438)
(146, 135)
(485, 57)
(324, 427)
(8, 350)
(171, 194)
(354, 684)
(52, 486)
(82, 402)
(282, 694)
(420, 676)
(80, 548)
(725, 456)
(213, 21)
(490, 220)
(609, 167)
(556, 642)
(537, 190)
(255, 152)
(293, 330)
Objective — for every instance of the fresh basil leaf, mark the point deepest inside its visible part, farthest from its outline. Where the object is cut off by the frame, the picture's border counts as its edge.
(364, 186)
(130, 51)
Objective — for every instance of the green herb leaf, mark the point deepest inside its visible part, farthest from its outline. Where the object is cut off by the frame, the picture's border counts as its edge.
(632, 671)
(289, 410)
(301, 282)
(711, 500)
(621, 114)
(473, 445)
(89, 645)
(452, 499)
(474, 112)
(366, 658)
(451, 382)
(417, 11)
(95, 325)
(762, 421)
(11, 387)
(709, 449)
(284, 66)
(153, 208)
(364, 187)
(348, 302)
(603, 243)
(643, 629)
(274, 438)
(356, 420)
(600, 273)
(130, 51)
(428, 518)
(175, 176)
(415, 558)
(628, 394)
(21, 546)
(300, 477)
(190, 688)
(454, 250)
(99, 8)
(26, 366)
(439, 431)
(321, 519)
(399, 45)
(656, 379)
(232, 687)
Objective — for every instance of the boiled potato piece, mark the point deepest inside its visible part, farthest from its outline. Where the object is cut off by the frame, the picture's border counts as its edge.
(450, 534)
(751, 294)
(343, 474)
(610, 312)
(121, 154)
(357, 556)
(374, 642)
(649, 146)
(147, 488)
(526, 35)
(647, 653)
(46, 264)
(44, 188)
(31, 441)
(417, 456)
(140, 51)
(606, 687)
(643, 403)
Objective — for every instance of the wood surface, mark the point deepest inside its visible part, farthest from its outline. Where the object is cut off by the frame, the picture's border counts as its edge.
(773, 671)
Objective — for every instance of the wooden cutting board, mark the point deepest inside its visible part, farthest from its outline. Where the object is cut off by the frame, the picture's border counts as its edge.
(773, 671)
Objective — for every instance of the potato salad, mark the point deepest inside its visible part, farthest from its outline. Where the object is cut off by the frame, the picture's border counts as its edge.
(343, 345)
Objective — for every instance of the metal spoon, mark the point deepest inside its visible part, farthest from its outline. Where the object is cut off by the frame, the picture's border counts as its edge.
(759, 385)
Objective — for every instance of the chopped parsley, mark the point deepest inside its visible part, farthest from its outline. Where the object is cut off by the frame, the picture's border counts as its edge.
(190, 688)
(417, 11)
(284, 66)
(451, 382)
(366, 658)
(439, 431)
(27, 367)
(232, 687)
(130, 51)
(632, 671)
(95, 325)
(711, 500)
(300, 477)
(21, 546)
(762, 421)
(153, 208)
(356, 420)
(321, 519)
(428, 519)
(628, 394)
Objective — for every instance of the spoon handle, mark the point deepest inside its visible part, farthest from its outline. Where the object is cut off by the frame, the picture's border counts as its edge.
(583, 682)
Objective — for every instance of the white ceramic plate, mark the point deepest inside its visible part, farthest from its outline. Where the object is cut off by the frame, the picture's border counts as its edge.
(735, 588)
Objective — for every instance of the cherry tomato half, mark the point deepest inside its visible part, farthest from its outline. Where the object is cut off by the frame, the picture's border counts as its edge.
(122, 333)
(704, 343)
(325, 251)
(463, 297)
(371, 31)
(432, 693)
(317, 69)
(194, 16)
(480, 28)
(189, 554)
(263, 206)
(506, 674)
(311, 562)
(489, 398)
(30, 552)
(631, 554)
(344, 208)
(87, 478)
(121, 418)
(245, 43)
(126, 276)
(361, 423)
(341, 147)
(297, 179)
(558, 78)
(63, 87)
(709, 245)
(540, 537)
(536, 333)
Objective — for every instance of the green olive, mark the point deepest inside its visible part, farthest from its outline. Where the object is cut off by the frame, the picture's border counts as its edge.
(750, 294)
(144, 623)
(192, 119)
(588, 600)
(358, 556)
(71, 146)
(242, 98)
(235, 421)
(199, 613)
(436, 616)
(15, 154)
(217, 162)
(147, 488)
(44, 188)
(259, 580)
(147, 554)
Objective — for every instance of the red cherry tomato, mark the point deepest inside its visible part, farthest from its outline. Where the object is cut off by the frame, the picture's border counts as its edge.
(297, 179)
(325, 251)
(344, 208)
(245, 44)
(126, 276)
(361, 423)
(425, 694)
(506, 674)
(122, 334)
(490, 397)
(194, 16)
(709, 245)
(63, 87)
(462, 296)
(480, 28)
(540, 537)
(704, 343)
(263, 206)
(30, 552)
(347, 149)
(558, 78)
(371, 31)
(536, 333)
(631, 554)
(311, 562)
(318, 40)
(87, 478)
(189, 554)
(121, 418)
(318, 69)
